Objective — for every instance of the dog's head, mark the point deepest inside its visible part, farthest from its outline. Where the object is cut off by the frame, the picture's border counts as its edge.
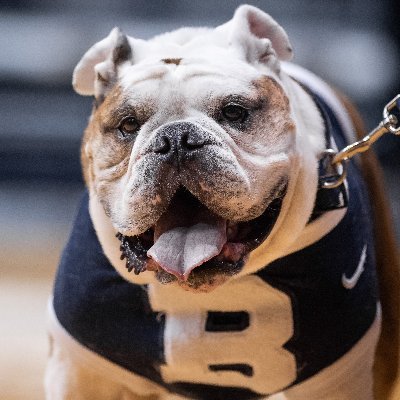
(192, 147)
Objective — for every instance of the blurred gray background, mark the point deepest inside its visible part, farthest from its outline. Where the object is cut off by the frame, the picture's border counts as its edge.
(353, 44)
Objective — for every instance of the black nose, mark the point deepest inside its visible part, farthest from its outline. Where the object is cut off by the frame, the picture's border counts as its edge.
(178, 139)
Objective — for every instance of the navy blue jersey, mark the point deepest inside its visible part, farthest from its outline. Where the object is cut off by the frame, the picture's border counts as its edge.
(113, 317)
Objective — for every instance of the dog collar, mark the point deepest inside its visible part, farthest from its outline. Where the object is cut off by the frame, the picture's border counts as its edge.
(328, 199)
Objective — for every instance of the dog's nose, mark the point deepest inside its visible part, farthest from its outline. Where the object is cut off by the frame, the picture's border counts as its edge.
(179, 139)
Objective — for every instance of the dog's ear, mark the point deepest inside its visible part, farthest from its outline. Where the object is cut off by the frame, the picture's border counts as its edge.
(97, 71)
(260, 37)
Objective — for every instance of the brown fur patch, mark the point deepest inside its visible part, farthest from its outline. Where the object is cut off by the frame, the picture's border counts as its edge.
(277, 115)
(101, 151)
(175, 61)
(271, 90)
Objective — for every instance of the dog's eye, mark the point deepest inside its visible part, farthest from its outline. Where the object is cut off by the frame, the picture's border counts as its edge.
(234, 113)
(129, 126)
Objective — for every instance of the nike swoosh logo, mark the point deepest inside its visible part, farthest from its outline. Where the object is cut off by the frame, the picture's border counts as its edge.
(349, 283)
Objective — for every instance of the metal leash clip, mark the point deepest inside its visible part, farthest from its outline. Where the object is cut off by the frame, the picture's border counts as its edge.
(337, 170)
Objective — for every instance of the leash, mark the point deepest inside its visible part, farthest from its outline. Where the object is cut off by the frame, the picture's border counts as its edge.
(335, 163)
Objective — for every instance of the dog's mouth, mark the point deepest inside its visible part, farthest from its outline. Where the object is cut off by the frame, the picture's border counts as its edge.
(195, 247)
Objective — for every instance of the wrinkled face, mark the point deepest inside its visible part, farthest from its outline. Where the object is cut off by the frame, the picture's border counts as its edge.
(191, 149)
(190, 160)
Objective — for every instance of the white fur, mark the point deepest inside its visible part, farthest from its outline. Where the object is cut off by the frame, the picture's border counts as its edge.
(317, 85)
(249, 28)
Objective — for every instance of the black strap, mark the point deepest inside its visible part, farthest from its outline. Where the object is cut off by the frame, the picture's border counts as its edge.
(333, 198)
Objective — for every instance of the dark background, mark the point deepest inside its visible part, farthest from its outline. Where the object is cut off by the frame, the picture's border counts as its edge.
(353, 44)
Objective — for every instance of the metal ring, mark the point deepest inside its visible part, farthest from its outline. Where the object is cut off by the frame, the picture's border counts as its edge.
(390, 120)
(340, 171)
(390, 123)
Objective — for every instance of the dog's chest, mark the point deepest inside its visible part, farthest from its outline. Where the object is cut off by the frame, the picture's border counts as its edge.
(234, 334)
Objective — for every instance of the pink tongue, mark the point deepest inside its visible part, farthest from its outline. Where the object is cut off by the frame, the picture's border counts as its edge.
(181, 249)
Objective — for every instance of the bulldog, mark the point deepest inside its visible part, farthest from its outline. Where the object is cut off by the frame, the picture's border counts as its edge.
(206, 260)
